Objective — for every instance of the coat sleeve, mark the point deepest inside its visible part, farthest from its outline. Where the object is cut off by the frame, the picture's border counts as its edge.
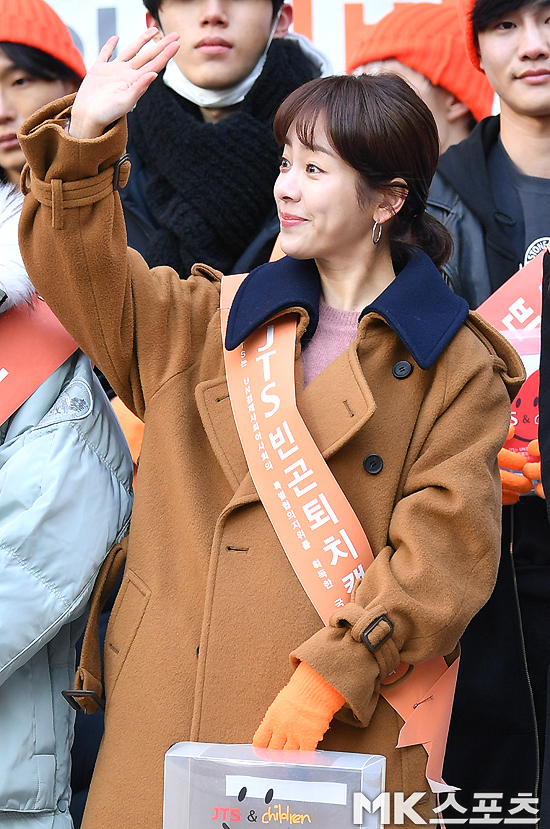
(439, 564)
(65, 499)
(134, 323)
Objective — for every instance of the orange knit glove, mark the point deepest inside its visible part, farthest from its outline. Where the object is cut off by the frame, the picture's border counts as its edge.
(532, 470)
(513, 484)
(300, 713)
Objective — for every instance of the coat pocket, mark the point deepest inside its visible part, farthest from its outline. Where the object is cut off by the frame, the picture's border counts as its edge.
(131, 602)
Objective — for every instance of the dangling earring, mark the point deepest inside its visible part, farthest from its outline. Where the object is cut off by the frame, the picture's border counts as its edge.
(376, 229)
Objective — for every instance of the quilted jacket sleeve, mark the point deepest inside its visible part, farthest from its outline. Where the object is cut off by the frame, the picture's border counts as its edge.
(65, 499)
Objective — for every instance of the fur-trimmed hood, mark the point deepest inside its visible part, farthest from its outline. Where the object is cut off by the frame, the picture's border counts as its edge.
(14, 281)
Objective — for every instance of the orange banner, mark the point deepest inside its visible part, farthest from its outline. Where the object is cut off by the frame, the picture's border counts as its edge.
(515, 311)
(317, 527)
(33, 344)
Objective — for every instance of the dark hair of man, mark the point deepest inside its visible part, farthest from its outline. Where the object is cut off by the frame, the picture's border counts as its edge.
(486, 12)
(39, 64)
(379, 126)
(153, 7)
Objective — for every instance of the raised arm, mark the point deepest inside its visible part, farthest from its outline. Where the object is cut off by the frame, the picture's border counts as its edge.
(135, 324)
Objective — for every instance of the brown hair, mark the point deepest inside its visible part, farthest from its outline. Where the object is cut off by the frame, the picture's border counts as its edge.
(379, 126)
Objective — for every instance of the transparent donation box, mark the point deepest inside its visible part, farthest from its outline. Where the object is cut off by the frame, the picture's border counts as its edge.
(213, 786)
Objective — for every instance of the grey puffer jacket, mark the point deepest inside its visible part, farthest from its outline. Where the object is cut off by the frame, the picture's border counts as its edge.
(65, 499)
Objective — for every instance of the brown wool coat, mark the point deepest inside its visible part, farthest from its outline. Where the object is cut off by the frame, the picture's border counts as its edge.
(210, 610)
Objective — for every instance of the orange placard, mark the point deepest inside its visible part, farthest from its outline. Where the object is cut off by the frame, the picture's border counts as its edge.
(33, 344)
(515, 311)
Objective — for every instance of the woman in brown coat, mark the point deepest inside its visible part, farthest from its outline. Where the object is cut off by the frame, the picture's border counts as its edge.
(405, 393)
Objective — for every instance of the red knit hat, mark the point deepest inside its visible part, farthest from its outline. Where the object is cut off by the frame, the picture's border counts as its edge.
(34, 23)
(429, 38)
(465, 8)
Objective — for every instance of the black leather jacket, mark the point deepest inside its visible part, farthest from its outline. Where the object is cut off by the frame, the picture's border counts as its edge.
(461, 197)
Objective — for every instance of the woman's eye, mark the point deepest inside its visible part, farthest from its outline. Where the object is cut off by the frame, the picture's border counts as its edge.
(313, 168)
(284, 164)
(505, 24)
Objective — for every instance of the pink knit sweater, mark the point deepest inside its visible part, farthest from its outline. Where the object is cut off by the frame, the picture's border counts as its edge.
(335, 331)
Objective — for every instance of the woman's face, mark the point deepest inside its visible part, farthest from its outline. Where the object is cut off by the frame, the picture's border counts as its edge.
(317, 202)
(21, 94)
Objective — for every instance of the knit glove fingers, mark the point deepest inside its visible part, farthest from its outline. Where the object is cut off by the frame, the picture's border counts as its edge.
(300, 713)
(511, 460)
(513, 482)
(280, 729)
(509, 497)
(510, 468)
(532, 470)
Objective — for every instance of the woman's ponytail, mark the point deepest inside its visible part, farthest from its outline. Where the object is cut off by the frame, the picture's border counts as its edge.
(429, 234)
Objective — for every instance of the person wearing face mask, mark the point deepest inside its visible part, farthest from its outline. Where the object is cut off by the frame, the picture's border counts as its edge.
(65, 468)
(424, 44)
(205, 124)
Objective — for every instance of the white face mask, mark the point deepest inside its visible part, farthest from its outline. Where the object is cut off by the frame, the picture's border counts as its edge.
(216, 98)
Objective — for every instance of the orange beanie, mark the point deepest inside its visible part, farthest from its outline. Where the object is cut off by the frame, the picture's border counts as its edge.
(34, 23)
(466, 8)
(429, 38)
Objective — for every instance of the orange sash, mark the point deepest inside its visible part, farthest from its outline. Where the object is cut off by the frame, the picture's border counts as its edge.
(317, 527)
(33, 344)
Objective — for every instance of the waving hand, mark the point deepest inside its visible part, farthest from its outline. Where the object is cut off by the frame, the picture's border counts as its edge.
(112, 87)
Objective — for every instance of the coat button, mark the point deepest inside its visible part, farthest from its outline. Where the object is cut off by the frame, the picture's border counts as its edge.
(402, 369)
(373, 464)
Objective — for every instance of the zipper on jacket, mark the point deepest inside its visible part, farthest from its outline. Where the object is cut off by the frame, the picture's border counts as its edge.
(524, 653)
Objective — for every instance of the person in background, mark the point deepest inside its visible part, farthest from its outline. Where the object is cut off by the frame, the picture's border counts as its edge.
(65, 468)
(405, 393)
(38, 63)
(424, 44)
(492, 191)
(216, 101)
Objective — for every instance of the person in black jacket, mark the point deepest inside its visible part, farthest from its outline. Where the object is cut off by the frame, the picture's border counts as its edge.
(202, 133)
(493, 192)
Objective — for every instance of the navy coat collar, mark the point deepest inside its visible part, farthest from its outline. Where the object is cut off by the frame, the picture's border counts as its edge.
(418, 305)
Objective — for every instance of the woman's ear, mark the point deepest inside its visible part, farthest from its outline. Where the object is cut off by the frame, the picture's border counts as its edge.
(391, 200)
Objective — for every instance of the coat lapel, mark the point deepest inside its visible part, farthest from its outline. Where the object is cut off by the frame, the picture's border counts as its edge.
(214, 407)
(334, 407)
(337, 403)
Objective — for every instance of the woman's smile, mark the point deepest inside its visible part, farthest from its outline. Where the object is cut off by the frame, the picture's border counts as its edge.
(289, 220)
